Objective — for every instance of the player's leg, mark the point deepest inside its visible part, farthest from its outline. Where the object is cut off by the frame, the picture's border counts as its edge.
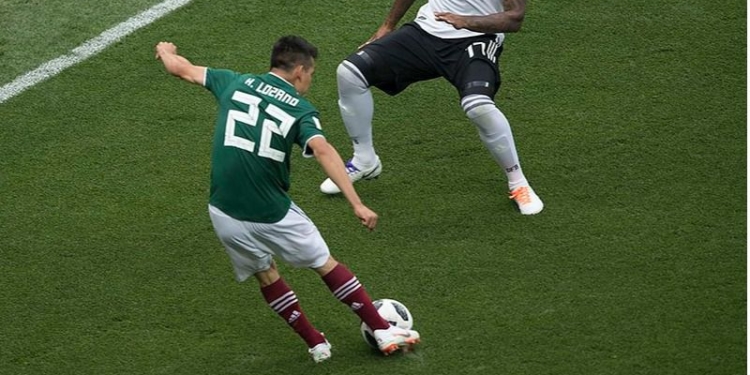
(303, 246)
(346, 288)
(282, 300)
(477, 87)
(496, 135)
(390, 64)
(356, 106)
(250, 255)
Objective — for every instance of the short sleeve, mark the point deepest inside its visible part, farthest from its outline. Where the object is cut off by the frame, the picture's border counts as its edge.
(217, 80)
(309, 128)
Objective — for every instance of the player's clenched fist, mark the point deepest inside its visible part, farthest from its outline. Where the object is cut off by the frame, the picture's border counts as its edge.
(165, 47)
(366, 216)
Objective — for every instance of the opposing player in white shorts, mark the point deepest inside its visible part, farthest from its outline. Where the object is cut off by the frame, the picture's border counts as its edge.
(260, 119)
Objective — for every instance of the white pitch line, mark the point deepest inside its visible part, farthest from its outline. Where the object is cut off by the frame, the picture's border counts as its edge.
(89, 48)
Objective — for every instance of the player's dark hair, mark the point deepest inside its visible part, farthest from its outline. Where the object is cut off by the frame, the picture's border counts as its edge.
(290, 51)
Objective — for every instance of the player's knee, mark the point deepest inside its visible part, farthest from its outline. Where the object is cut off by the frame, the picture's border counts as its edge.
(349, 78)
(477, 105)
(267, 277)
(327, 267)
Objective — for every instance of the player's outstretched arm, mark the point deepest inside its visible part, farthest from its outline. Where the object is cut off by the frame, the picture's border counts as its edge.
(331, 162)
(508, 21)
(179, 66)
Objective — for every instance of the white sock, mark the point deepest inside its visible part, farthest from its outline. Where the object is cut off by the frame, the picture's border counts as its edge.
(494, 131)
(356, 105)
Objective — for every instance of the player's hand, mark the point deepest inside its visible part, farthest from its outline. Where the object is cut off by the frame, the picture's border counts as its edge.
(165, 47)
(366, 216)
(382, 31)
(458, 22)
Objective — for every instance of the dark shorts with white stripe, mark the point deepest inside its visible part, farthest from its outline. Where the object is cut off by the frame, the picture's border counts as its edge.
(410, 55)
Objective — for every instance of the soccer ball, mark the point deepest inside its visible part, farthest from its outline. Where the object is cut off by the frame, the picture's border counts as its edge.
(391, 310)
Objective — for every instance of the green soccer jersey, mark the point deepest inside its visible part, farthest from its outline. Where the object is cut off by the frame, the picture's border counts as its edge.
(260, 118)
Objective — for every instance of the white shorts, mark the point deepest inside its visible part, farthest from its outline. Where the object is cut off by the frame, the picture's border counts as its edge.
(251, 246)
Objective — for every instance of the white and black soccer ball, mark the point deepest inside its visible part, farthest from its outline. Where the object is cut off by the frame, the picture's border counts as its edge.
(392, 311)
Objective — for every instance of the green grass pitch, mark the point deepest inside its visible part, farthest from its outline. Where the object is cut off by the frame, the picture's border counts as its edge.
(630, 121)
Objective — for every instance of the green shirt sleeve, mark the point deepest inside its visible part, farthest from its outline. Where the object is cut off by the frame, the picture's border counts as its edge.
(217, 80)
(309, 128)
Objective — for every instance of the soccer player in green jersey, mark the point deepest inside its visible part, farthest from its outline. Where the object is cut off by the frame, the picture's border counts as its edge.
(260, 118)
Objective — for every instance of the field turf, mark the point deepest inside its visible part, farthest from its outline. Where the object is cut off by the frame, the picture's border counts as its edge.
(630, 121)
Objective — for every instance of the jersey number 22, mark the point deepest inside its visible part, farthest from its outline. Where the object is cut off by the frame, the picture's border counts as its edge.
(270, 127)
